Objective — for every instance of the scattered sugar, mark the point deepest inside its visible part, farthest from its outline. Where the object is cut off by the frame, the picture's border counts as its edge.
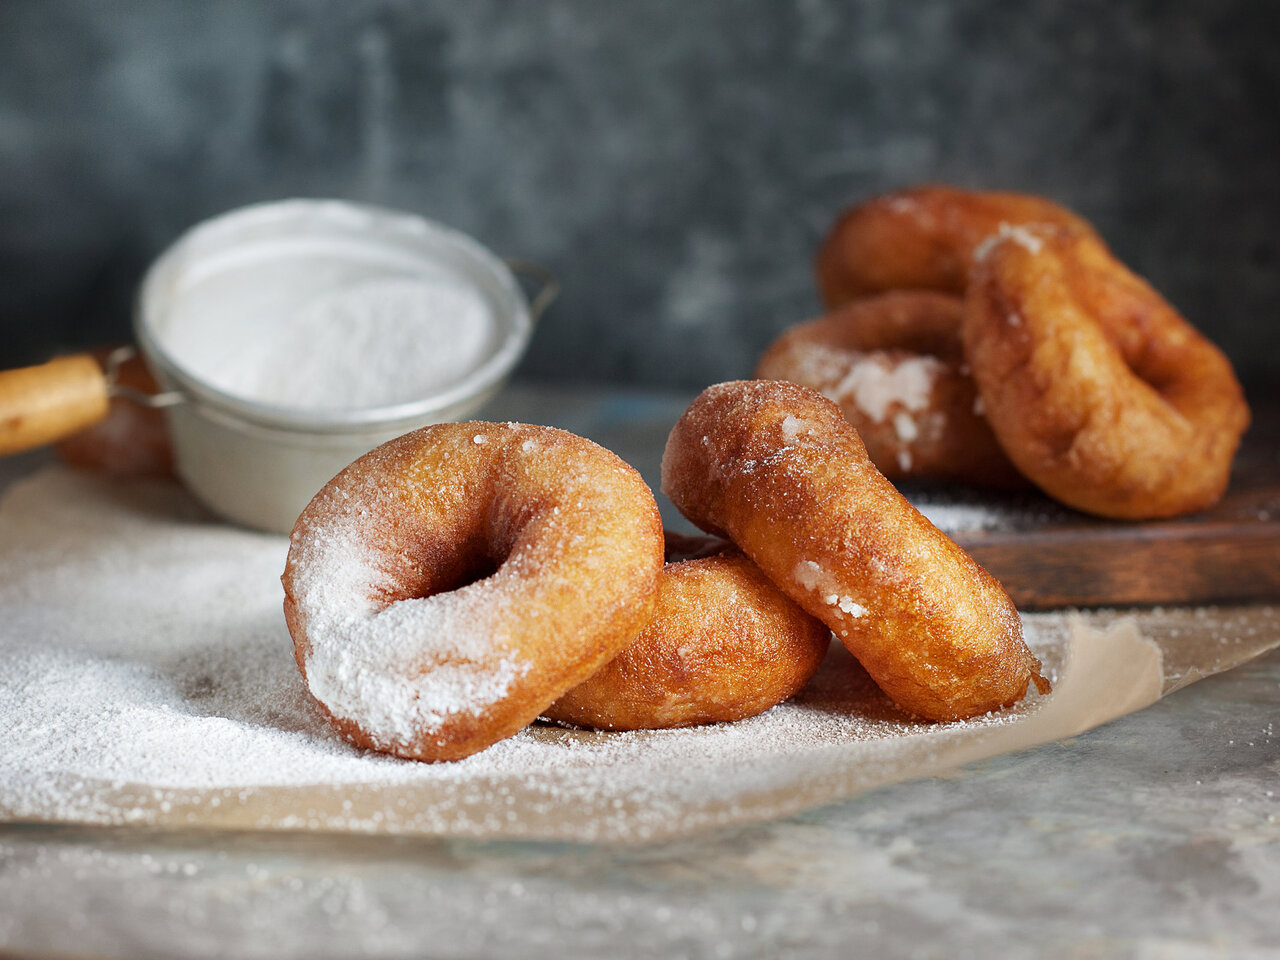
(957, 511)
(960, 517)
(1022, 235)
(146, 676)
(145, 668)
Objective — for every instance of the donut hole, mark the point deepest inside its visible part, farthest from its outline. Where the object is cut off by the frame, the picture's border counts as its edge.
(414, 566)
(479, 568)
(1135, 320)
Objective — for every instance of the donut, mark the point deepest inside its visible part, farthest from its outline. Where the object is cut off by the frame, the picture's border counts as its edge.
(724, 644)
(132, 440)
(775, 467)
(1098, 390)
(921, 238)
(445, 588)
(894, 365)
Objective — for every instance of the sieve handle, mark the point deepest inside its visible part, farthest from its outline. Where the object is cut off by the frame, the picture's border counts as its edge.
(549, 286)
(47, 402)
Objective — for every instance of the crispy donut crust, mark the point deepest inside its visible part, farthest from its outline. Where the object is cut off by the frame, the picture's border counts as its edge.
(921, 238)
(894, 365)
(1099, 391)
(778, 470)
(724, 644)
(540, 554)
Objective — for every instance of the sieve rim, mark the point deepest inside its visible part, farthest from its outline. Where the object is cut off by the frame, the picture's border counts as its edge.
(402, 226)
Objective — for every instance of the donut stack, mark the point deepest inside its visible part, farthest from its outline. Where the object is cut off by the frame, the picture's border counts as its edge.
(990, 337)
(454, 585)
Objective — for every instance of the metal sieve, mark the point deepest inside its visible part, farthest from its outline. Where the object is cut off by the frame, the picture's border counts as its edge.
(255, 463)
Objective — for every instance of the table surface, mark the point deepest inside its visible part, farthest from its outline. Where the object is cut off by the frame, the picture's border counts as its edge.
(1156, 835)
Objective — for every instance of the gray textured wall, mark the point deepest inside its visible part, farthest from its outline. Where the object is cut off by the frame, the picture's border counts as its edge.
(675, 162)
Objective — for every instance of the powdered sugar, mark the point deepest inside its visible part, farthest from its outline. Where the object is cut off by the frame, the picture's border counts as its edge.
(904, 425)
(1019, 234)
(847, 604)
(408, 669)
(875, 384)
(414, 336)
(811, 575)
(271, 304)
(146, 675)
(958, 512)
(793, 428)
(952, 518)
(399, 665)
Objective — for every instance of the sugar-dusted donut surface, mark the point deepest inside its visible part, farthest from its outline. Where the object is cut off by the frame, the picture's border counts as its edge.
(1099, 391)
(447, 587)
(724, 643)
(894, 365)
(777, 469)
(922, 238)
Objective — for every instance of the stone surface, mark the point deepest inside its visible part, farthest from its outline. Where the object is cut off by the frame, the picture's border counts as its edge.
(674, 163)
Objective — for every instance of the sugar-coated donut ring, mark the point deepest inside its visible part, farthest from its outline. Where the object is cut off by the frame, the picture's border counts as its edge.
(778, 470)
(894, 365)
(1099, 391)
(132, 440)
(921, 238)
(444, 589)
(724, 644)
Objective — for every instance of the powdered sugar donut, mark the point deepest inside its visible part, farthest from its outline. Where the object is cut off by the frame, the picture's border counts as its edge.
(777, 469)
(445, 588)
(724, 643)
(922, 238)
(894, 365)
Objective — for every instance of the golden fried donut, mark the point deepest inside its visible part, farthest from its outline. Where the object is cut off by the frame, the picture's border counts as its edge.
(921, 238)
(893, 363)
(1099, 391)
(724, 643)
(778, 470)
(445, 588)
(132, 440)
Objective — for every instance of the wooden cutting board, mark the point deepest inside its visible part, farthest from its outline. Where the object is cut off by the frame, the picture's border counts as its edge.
(1049, 556)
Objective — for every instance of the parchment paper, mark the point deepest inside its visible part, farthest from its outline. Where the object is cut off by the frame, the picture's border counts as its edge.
(195, 693)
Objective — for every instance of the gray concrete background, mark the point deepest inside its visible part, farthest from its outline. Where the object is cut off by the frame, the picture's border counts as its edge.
(674, 162)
